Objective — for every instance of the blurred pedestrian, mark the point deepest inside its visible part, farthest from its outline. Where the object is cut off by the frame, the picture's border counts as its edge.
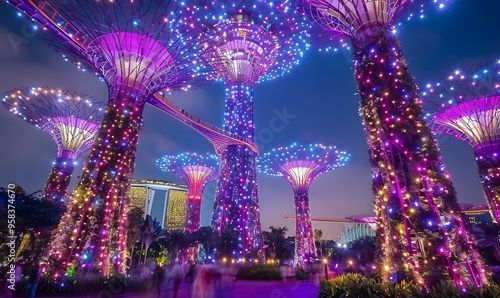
(33, 280)
(203, 286)
(176, 276)
(159, 278)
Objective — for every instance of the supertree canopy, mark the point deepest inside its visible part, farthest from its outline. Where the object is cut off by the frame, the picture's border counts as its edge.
(420, 230)
(196, 170)
(138, 47)
(300, 165)
(70, 119)
(467, 106)
(246, 42)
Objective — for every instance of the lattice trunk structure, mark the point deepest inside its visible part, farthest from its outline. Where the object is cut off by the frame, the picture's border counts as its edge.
(198, 177)
(73, 136)
(305, 249)
(243, 51)
(59, 178)
(300, 175)
(98, 214)
(419, 223)
(419, 226)
(236, 200)
(99, 202)
(488, 163)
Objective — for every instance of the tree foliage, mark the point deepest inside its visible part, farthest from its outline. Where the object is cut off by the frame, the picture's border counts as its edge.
(34, 220)
(276, 243)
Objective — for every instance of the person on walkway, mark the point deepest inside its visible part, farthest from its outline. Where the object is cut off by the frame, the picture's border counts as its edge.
(176, 276)
(159, 278)
(34, 279)
(203, 286)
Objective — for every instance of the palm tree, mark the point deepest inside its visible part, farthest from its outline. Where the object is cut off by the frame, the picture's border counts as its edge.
(363, 250)
(207, 237)
(35, 218)
(276, 243)
(175, 240)
(135, 221)
(318, 234)
(226, 243)
(151, 232)
(488, 238)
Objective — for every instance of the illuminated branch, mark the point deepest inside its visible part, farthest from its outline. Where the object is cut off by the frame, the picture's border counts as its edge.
(196, 170)
(70, 119)
(413, 195)
(300, 165)
(467, 106)
(246, 43)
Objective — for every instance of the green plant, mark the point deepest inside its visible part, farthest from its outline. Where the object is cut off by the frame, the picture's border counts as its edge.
(355, 285)
(301, 274)
(259, 272)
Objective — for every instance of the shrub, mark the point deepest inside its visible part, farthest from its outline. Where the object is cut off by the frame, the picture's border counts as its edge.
(355, 285)
(301, 274)
(87, 284)
(259, 272)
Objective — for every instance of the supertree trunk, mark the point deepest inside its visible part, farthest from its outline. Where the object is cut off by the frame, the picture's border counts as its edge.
(59, 179)
(193, 212)
(488, 162)
(305, 250)
(419, 222)
(236, 201)
(97, 215)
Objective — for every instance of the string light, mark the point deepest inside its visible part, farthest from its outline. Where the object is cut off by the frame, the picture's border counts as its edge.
(300, 165)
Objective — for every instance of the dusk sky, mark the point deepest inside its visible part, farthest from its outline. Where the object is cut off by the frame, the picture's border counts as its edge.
(320, 93)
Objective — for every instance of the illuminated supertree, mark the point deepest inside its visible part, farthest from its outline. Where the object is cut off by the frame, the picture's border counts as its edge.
(300, 165)
(196, 170)
(246, 42)
(138, 47)
(467, 106)
(71, 120)
(420, 230)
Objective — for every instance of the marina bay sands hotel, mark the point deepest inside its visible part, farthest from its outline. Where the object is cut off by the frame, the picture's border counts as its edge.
(165, 201)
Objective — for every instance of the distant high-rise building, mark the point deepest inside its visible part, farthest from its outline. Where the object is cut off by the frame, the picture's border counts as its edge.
(153, 195)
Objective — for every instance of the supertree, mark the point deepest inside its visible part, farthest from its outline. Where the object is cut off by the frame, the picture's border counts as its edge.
(467, 106)
(246, 42)
(420, 229)
(196, 170)
(138, 48)
(300, 165)
(71, 120)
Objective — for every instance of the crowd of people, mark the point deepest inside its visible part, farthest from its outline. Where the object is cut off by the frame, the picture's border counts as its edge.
(202, 278)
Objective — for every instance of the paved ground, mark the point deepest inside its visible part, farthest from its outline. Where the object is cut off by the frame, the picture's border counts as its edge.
(241, 289)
